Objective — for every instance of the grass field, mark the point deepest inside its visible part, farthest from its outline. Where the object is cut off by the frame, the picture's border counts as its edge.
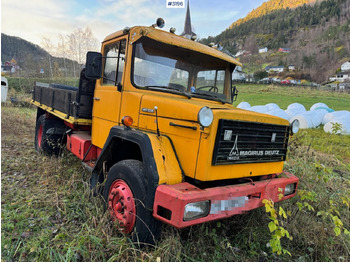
(284, 96)
(48, 213)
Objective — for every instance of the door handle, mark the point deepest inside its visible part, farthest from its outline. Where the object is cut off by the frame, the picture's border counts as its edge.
(96, 98)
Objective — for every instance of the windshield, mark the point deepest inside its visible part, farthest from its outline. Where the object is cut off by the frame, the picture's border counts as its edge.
(167, 68)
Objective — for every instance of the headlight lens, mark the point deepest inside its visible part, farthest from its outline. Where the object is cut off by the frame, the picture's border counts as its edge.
(295, 126)
(196, 210)
(205, 116)
(290, 189)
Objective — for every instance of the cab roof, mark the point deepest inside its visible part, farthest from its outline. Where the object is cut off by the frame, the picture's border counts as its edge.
(137, 32)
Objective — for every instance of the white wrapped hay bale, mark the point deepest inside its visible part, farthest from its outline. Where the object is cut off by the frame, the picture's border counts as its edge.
(280, 113)
(341, 127)
(304, 121)
(318, 105)
(295, 109)
(272, 107)
(336, 116)
(310, 119)
(329, 110)
(244, 105)
(259, 109)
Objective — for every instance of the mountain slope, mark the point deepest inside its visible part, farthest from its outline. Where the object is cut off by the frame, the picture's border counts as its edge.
(32, 58)
(270, 6)
(15, 47)
(319, 36)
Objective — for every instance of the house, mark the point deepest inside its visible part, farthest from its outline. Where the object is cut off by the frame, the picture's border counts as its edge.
(238, 74)
(250, 78)
(263, 50)
(276, 69)
(284, 50)
(345, 66)
(344, 87)
(341, 77)
(8, 69)
(291, 67)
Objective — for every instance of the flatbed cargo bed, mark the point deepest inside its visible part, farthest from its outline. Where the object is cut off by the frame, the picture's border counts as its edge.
(71, 104)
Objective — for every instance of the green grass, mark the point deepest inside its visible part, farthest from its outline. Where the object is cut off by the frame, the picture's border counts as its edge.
(48, 213)
(337, 145)
(284, 96)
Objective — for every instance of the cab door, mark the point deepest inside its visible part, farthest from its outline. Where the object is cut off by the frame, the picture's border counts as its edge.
(108, 95)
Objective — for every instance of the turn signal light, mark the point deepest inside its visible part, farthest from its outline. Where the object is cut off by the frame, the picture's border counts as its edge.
(127, 121)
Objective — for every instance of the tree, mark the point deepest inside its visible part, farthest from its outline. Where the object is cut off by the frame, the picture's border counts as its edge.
(260, 74)
(80, 42)
(49, 47)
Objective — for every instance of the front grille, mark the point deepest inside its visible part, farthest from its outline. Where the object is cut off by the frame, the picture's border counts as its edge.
(239, 142)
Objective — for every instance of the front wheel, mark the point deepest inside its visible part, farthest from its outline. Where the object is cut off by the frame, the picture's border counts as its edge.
(126, 197)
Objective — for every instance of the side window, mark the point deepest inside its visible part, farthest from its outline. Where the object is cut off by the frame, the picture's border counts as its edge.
(114, 63)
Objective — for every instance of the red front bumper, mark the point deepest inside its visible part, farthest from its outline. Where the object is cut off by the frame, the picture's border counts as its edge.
(225, 201)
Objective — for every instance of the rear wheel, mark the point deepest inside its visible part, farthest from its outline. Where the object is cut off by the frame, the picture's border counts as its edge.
(126, 197)
(49, 136)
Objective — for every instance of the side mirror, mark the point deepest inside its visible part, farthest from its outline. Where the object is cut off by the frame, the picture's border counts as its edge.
(93, 67)
(234, 93)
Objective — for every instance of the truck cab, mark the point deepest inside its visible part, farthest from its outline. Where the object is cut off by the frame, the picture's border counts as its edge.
(163, 141)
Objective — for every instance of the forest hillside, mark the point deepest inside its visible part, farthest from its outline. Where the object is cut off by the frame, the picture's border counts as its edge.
(317, 35)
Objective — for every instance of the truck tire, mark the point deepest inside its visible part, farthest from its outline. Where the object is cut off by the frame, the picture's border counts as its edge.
(125, 193)
(49, 136)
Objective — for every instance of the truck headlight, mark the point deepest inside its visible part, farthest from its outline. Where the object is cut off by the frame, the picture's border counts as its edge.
(295, 126)
(196, 210)
(290, 189)
(205, 116)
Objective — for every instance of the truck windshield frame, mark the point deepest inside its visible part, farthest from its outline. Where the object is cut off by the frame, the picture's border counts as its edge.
(165, 68)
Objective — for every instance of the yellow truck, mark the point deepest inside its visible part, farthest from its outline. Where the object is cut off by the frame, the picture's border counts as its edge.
(153, 122)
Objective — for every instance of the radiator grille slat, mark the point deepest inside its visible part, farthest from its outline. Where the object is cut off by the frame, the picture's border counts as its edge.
(239, 142)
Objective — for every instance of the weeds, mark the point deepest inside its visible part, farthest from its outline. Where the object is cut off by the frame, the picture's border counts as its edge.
(48, 213)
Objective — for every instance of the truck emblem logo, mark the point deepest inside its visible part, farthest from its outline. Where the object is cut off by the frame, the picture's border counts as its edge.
(273, 138)
(234, 150)
(147, 110)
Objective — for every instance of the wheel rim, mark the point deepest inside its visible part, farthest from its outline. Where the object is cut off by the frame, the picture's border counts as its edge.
(121, 205)
(40, 135)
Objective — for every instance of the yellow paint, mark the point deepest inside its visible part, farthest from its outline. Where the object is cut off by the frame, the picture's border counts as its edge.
(186, 141)
(106, 107)
(172, 39)
(207, 172)
(194, 148)
(102, 128)
(59, 114)
(105, 113)
(167, 166)
(130, 105)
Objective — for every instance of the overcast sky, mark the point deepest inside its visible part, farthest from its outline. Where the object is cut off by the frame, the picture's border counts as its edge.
(34, 19)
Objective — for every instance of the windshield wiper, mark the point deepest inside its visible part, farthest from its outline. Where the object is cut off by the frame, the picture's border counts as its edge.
(216, 98)
(170, 89)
